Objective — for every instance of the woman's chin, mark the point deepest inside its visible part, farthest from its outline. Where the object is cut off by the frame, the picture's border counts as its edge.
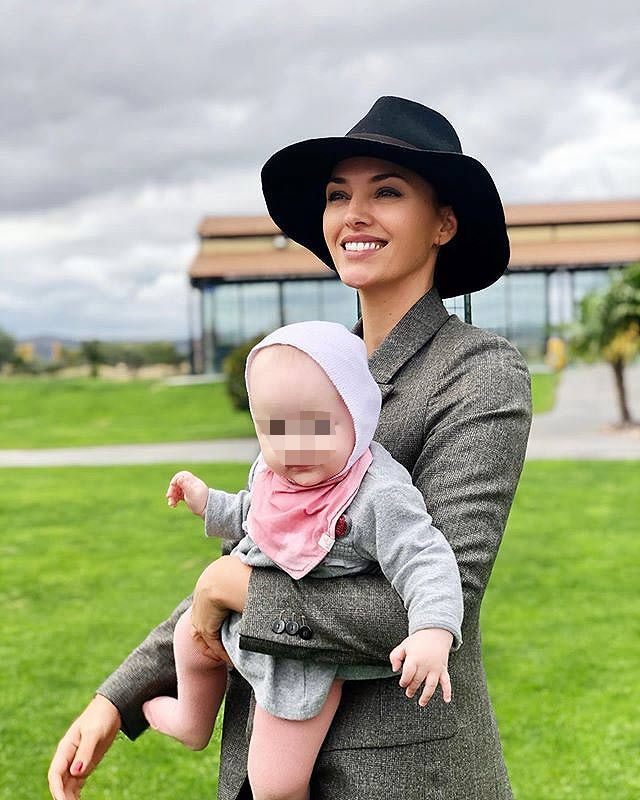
(355, 276)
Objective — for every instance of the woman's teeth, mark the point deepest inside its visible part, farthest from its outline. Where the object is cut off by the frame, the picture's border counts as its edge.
(363, 245)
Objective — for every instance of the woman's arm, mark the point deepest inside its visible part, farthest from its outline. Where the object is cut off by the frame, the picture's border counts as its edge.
(476, 430)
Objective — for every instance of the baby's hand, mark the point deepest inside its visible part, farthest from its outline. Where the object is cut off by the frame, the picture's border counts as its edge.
(186, 486)
(423, 657)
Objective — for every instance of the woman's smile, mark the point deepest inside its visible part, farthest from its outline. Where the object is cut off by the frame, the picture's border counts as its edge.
(362, 246)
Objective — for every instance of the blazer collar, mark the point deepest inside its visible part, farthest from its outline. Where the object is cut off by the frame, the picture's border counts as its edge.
(413, 331)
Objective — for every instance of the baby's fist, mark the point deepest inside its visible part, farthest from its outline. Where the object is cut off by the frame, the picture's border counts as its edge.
(186, 486)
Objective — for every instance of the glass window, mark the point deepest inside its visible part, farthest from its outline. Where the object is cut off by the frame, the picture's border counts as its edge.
(226, 310)
(329, 300)
(259, 307)
(513, 307)
(338, 303)
(301, 301)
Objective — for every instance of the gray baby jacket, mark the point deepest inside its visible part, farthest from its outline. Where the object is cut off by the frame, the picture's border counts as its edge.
(388, 528)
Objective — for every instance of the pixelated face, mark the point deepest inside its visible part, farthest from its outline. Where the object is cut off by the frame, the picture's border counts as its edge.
(303, 426)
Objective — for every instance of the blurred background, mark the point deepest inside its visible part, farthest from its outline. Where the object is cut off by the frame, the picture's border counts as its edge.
(138, 265)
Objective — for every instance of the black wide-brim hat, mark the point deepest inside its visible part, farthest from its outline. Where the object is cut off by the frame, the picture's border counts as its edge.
(294, 181)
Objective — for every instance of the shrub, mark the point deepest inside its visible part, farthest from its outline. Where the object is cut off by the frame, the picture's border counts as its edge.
(233, 367)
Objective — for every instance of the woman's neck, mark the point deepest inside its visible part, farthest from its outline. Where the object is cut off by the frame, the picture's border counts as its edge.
(384, 307)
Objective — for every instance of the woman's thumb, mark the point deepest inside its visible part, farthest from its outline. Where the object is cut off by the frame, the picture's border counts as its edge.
(84, 754)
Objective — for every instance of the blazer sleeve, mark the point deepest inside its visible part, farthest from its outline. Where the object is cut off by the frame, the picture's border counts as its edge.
(149, 670)
(474, 441)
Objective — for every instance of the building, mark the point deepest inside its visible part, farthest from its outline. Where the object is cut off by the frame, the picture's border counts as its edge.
(248, 278)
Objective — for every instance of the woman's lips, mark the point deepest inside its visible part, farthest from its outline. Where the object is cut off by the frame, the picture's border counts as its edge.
(358, 246)
(362, 249)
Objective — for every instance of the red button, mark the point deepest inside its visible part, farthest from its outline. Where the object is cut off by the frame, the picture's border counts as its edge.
(341, 527)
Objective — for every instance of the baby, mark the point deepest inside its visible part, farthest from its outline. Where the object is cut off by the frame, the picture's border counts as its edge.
(315, 407)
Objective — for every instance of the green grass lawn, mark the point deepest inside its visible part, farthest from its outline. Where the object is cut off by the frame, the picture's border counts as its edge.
(92, 558)
(561, 624)
(543, 391)
(50, 412)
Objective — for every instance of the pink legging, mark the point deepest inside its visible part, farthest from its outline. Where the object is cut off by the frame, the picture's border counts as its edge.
(282, 752)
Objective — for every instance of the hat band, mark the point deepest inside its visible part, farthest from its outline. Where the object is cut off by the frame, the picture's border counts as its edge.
(379, 137)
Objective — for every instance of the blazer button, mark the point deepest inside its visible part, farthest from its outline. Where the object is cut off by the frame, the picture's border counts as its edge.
(292, 627)
(305, 632)
(278, 626)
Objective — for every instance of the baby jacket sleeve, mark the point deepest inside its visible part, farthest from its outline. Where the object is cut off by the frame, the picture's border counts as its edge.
(415, 558)
(225, 511)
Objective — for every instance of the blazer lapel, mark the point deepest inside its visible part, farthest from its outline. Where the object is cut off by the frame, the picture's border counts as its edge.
(413, 331)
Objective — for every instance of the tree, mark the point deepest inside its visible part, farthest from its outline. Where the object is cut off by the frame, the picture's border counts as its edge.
(608, 327)
(7, 347)
(93, 353)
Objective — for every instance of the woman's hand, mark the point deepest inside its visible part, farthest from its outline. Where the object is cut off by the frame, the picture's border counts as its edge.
(424, 656)
(82, 747)
(221, 588)
(188, 487)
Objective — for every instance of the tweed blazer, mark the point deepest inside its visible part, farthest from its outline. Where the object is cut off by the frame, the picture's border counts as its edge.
(456, 414)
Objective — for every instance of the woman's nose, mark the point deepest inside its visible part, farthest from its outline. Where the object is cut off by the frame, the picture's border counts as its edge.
(357, 213)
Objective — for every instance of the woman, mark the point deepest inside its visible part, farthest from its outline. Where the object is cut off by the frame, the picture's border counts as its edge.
(405, 218)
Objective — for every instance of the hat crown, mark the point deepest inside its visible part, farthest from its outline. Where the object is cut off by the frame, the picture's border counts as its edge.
(397, 120)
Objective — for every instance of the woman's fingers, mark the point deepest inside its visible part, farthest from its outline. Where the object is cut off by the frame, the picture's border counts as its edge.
(59, 767)
(86, 755)
(61, 784)
(82, 747)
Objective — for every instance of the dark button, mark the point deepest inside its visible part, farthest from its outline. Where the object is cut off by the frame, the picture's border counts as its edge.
(341, 526)
(278, 626)
(305, 632)
(292, 627)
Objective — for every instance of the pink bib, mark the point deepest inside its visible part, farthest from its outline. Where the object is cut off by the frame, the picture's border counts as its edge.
(295, 525)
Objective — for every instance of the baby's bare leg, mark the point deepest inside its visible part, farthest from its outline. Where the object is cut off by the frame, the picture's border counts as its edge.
(201, 686)
(282, 752)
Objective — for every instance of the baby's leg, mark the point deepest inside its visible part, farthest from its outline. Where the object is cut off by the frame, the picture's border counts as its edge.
(201, 686)
(282, 752)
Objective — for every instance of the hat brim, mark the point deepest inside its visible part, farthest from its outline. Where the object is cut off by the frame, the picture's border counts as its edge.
(294, 181)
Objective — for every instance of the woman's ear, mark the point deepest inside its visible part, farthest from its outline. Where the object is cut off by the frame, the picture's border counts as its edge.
(448, 226)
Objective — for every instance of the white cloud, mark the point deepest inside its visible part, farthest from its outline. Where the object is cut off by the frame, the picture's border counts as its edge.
(124, 123)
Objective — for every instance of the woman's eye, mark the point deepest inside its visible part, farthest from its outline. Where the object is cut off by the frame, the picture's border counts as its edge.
(335, 195)
(387, 191)
(276, 427)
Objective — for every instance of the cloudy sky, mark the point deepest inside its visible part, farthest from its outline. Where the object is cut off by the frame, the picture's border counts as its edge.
(123, 123)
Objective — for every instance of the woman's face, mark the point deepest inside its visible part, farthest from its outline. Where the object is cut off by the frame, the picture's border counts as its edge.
(382, 225)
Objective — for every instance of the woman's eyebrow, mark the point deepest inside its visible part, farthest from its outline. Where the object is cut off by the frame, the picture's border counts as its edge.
(386, 175)
(374, 179)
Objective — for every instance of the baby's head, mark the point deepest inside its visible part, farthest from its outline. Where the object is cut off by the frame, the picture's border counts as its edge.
(303, 426)
(314, 403)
